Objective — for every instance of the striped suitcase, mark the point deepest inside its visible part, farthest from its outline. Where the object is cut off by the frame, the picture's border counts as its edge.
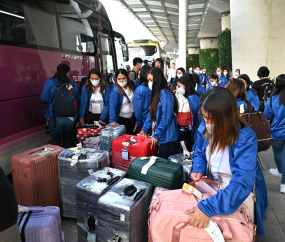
(35, 176)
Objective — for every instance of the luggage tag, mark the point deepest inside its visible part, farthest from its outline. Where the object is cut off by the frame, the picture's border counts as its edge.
(214, 231)
(125, 153)
(74, 159)
(242, 108)
(91, 237)
(97, 124)
(190, 189)
(79, 145)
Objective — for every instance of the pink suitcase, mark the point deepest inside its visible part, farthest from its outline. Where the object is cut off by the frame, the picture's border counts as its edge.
(40, 224)
(35, 176)
(169, 223)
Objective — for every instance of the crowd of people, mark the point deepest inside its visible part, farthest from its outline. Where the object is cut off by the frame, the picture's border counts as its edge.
(223, 145)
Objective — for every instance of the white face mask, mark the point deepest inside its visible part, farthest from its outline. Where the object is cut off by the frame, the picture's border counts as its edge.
(190, 69)
(197, 72)
(150, 85)
(122, 84)
(180, 90)
(225, 73)
(204, 72)
(210, 128)
(218, 73)
(179, 75)
(201, 72)
(237, 73)
(95, 83)
(213, 84)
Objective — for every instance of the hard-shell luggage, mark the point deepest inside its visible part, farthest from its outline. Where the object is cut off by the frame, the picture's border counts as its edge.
(187, 164)
(169, 223)
(128, 147)
(107, 135)
(88, 191)
(40, 224)
(35, 176)
(157, 171)
(73, 167)
(89, 136)
(123, 212)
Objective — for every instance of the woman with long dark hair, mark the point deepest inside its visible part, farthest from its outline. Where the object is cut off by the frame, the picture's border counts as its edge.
(121, 105)
(275, 110)
(60, 127)
(198, 86)
(142, 99)
(226, 148)
(95, 97)
(238, 89)
(161, 118)
(179, 73)
(251, 95)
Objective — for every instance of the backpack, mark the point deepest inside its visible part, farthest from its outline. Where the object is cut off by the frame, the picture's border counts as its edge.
(184, 115)
(260, 125)
(136, 75)
(65, 100)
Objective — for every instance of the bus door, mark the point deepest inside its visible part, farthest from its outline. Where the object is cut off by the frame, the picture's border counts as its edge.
(106, 58)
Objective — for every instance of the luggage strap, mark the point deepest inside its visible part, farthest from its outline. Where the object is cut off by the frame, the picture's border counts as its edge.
(22, 224)
(152, 161)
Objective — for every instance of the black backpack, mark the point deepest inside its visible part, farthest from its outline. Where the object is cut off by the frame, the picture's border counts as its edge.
(65, 100)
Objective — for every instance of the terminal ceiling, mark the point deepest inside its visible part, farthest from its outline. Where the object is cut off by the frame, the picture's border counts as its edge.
(161, 18)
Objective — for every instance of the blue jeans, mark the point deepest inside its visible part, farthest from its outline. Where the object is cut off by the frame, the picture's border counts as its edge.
(278, 147)
(61, 131)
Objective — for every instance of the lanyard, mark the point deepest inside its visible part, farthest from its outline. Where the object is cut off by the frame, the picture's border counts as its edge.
(208, 164)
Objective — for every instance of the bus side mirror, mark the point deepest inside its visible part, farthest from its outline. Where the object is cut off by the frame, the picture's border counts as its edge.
(125, 52)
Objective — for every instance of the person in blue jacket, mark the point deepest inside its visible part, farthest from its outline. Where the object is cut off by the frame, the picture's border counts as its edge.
(161, 118)
(226, 145)
(275, 111)
(179, 73)
(251, 95)
(222, 81)
(213, 82)
(61, 127)
(237, 87)
(121, 104)
(198, 86)
(142, 99)
(95, 97)
(204, 78)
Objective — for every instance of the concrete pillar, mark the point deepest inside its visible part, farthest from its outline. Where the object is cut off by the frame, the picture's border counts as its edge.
(258, 36)
(209, 43)
(183, 15)
(226, 22)
(193, 51)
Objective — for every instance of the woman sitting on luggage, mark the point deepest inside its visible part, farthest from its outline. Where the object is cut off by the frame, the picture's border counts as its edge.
(161, 117)
(60, 126)
(275, 110)
(238, 89)
(121, 105)
(95, 97)
(226, 147)
(179, 73)
(251, 95)
(142, 99)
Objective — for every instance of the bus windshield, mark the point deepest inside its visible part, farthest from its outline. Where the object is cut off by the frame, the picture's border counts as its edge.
(142, 51)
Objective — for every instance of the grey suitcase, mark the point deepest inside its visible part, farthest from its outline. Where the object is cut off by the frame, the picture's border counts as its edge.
(88, 191)
(123, 212)
(187, 164)
(107, 135)
(74, 167)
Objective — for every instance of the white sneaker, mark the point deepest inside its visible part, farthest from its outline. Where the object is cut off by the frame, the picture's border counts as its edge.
(275, 172)
(282, 188)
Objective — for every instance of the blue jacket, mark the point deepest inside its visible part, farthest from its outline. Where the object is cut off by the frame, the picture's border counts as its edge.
(253, 99)
(245, 172)
(241, 101)
(201, 90)
(48, 95)
(204, 79)
(115, 103)
(173, 82)
(167, 129)
(222, 81)
(141, 104)
(85, 101)
(278, 124)
(194, 102)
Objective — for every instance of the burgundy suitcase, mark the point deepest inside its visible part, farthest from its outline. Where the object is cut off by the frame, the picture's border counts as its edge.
(35, 176)
(40, 224)
(136, 146)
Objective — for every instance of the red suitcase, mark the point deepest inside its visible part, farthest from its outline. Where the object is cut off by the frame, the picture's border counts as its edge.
(136, 146)
(35, 176)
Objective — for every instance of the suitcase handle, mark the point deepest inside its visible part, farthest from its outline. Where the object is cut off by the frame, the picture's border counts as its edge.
(130, 190)
(113, 181)
(139, 195)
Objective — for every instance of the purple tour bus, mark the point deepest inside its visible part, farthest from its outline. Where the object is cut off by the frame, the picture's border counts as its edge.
(35, 36)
